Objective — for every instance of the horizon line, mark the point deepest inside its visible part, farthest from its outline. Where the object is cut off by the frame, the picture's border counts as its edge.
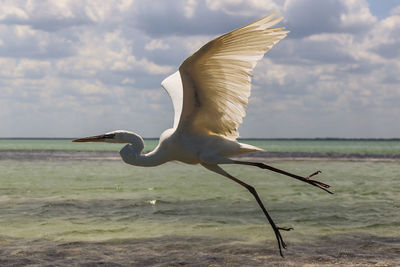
(240, 138)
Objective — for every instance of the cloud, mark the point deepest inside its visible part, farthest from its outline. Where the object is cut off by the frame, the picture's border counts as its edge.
(395, 11)
(308, 17)
(384, 38)
(21, 41)
(71, 68)
(156, 44)
(166, 18)
(32, 69)
(243, 7)
(44, 15)
(314, 50)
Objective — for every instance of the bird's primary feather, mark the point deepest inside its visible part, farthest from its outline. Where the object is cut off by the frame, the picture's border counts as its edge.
(216, 80)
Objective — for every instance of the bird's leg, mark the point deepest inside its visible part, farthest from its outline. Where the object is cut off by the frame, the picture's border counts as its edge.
(307, 179)
(276, 229)
(252, 190)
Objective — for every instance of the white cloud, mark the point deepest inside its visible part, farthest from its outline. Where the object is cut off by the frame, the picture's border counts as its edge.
(244, 7)
(357, 16)
(156, 44)
(98, 66)
(21, 41)
(384, 38)
(10, 10)
(395, 11)
(190, 8)
(32, 69)
(128, 81)
(307, 17)
(90, 88)
(109, 52)
(7, 68)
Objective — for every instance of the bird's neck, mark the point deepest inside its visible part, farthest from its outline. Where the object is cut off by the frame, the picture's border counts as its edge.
(153, 158)
(132, 153)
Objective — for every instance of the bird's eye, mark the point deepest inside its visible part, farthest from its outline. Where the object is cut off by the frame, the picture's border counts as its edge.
(109, 136)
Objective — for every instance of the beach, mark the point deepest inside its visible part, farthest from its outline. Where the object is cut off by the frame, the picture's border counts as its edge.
(66, 206)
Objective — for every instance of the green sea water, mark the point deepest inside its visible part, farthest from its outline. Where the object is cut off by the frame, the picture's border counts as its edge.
(101, 200)
(70, 200)
(332, 146)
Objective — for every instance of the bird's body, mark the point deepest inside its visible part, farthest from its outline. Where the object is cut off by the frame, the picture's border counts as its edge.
(209, 93)
(190, 148)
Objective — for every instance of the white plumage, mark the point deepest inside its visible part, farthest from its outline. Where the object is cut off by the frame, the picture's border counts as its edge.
(216, 80)
(173, 85)
(209, 94)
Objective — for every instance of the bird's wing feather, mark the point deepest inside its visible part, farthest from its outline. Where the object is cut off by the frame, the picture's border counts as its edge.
(216, 79)
(173, 85)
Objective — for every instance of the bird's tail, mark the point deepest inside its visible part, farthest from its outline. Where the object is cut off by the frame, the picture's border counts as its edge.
(245, 148)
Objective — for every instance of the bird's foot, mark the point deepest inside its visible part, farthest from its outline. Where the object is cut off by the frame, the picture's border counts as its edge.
(315, 181)
(311, 175)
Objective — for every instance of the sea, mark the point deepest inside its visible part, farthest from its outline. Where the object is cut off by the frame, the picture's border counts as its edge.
(64, 203)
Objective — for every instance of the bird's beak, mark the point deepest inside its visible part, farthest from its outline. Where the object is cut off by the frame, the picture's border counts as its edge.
(96, 138)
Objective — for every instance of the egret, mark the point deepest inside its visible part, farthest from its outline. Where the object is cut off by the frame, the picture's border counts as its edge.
(209, 93)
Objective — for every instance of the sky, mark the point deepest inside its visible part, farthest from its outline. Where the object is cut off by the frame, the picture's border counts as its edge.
(72, 68)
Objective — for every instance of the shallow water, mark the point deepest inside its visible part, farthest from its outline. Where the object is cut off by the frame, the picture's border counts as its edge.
(338, 250)
(328, 146)
(60, 209)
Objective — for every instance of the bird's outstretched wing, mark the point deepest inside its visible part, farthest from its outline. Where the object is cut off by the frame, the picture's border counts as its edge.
(216, 79)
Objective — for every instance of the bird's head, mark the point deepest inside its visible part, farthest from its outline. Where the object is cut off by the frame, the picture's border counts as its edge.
(130, 152)
(118, 136)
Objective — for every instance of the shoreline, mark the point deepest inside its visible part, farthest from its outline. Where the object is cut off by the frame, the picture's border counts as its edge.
(96, 155)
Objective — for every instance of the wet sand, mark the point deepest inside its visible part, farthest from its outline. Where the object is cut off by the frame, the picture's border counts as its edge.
(355, 250)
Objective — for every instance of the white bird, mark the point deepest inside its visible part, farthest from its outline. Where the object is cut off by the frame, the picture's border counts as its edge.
(209, 93)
